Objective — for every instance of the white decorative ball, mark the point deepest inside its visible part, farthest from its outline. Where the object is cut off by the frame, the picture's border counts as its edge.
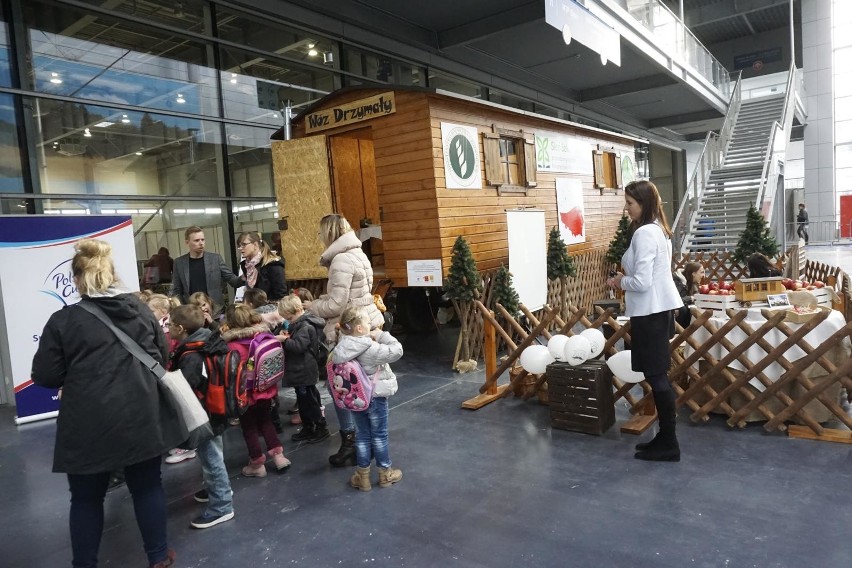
(596, 339)
(556, 346)
(577, 350)
(622, 368)
(535, 359)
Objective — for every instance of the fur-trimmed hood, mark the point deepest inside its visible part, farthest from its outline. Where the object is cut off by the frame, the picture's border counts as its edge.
(679, 277)
(244, 332)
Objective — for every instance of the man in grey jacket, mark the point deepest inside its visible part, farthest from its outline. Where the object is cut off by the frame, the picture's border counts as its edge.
(201, 271)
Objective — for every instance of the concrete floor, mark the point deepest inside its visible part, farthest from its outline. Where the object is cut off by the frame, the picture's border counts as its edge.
(491, 488)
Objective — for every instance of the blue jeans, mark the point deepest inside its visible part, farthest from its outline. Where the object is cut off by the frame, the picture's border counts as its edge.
(87, 511)
(371, 434)
(215, 477)
(344, 417)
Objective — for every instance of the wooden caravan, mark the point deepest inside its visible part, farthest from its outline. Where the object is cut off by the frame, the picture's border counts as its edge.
(412, 169)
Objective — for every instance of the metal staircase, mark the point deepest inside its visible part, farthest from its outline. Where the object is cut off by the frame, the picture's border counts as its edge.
(720, 215)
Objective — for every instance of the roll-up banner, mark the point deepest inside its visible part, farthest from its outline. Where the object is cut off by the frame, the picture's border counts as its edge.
(35, 281)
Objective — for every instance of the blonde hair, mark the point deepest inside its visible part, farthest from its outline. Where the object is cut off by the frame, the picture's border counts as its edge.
(267, 255)
(351, 316)
(289, 305)
(332, 227)
(92, 266)
(197, 298)
(241, 316)
(162, 302)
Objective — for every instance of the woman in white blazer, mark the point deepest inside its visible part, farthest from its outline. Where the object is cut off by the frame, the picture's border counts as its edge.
(650, 296)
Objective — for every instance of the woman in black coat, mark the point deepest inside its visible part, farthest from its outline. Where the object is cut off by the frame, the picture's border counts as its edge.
(262, 267)
(113, 415)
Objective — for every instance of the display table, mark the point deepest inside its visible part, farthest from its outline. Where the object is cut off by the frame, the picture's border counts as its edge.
(753, 369)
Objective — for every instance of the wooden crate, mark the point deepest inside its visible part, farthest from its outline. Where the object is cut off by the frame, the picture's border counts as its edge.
(717, 303)
(581, 397)
(823, 296)
(756, 289)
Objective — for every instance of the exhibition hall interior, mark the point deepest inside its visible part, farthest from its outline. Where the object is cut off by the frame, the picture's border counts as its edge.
(483, 155)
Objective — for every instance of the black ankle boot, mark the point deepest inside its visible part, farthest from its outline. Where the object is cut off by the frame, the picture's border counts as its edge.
(346, 454)
(645, 445)
(664, 446)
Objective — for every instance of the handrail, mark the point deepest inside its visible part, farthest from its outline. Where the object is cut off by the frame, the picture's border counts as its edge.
(712, 156)
(784, 126)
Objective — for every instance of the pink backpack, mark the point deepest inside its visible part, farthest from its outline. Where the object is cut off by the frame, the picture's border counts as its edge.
(264, 367)
(351, 387)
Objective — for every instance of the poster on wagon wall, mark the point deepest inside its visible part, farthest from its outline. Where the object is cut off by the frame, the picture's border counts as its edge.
(572, 214)
(461, 156)
(35, 281)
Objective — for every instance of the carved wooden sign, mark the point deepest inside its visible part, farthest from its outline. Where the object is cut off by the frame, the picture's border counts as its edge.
(349, 113)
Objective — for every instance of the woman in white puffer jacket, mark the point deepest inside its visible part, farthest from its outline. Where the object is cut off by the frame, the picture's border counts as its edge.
(350, 283)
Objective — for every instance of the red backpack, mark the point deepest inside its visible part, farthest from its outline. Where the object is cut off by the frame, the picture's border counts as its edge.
(226, 394)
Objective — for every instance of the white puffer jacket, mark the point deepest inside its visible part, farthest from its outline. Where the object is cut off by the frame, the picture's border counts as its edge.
(374, 356)
(350, 283)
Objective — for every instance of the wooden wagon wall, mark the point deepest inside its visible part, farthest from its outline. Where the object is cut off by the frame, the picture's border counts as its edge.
(480, 214)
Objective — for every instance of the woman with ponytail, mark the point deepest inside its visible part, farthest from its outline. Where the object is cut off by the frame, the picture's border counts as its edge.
(113, 416)
(262, 267)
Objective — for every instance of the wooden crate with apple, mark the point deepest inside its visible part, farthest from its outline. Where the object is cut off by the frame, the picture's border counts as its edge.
(825, 296)
(717, 296)
(756, 289)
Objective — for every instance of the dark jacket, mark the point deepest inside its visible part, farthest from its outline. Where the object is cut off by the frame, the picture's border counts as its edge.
(301, 351)
(271, 279)
(216, 271)
(682, 314)
(191, 364)
(112, 412)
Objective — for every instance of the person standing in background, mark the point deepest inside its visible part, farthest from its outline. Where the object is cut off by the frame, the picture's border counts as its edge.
(802, 220)
(201, 271)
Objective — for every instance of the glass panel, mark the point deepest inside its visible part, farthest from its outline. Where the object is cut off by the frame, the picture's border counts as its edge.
(843, 85)
(250, 161)
(844, 179)
(843, 156)
(842, 61)
(186, 14)
(843, 108)
(91, 149)
(260, 216)
(382, 68)
(502, 98)
(11, 177)
(95, 57)
(438, 80)
(256, 89)
(5, 66)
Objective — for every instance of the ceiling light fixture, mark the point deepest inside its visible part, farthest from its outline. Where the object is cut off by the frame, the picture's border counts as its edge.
(234, 78)
(54, 78)
(313, 52)
(103, 124)
(125, 119)
(180, 99)
(86, 133)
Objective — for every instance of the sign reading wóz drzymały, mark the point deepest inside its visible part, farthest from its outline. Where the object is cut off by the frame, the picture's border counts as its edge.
(356, 111)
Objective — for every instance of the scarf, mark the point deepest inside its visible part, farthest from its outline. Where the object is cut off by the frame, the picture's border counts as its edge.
(251, 270)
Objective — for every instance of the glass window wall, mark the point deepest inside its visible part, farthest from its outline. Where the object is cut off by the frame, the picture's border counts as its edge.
(438, 80)
(183, 14)
(250, 161)
(5, 61)
(381, 68)
(87, 55)
(87, 149)
(11, 177)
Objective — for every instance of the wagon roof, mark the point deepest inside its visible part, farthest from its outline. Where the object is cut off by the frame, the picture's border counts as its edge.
(324, 101)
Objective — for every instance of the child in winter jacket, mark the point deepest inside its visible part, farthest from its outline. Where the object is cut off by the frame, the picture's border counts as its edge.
(187, 326)
(301, 350)
(243, 325)
(373, 351)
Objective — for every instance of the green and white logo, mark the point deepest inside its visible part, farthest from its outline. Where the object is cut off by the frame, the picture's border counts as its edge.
(461, 156)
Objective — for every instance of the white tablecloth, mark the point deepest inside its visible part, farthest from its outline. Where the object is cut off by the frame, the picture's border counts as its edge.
(774, 337)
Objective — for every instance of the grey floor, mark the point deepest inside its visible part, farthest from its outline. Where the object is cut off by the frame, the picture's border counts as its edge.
(491, 488)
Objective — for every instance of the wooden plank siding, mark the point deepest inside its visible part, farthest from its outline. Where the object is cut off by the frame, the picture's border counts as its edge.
(421, 218)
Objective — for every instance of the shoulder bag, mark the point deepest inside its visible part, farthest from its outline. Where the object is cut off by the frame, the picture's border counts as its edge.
(192, 415)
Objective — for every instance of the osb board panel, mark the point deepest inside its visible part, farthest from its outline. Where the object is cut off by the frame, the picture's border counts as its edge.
(303, 189)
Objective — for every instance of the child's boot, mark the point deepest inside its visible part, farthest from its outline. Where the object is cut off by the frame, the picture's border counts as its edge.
(388, 476)
(361, 479)
(320, 432)
(255, 468)
(282, 464)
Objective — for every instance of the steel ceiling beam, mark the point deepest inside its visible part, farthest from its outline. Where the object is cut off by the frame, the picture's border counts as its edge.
(490, 25)
(683, 118)
(627, 87)
(727, 10)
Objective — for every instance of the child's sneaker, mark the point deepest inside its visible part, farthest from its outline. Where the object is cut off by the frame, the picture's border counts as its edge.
(206, 521)
(296, 420)
(180, 455)
(201, 496)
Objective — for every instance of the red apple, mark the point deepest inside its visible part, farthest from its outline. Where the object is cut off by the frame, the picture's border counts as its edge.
(714, 285)
(787, 282)
(811, 287)
(805, 283)
(728, 285)
(714, 292)
(703, 289)
(819, 283)
(797, 285)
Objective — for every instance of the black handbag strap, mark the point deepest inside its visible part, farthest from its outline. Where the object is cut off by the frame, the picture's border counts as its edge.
(152, 364)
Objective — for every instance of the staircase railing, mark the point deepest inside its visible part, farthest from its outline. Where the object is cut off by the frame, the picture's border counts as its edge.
(778, 139)
(712, 157)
